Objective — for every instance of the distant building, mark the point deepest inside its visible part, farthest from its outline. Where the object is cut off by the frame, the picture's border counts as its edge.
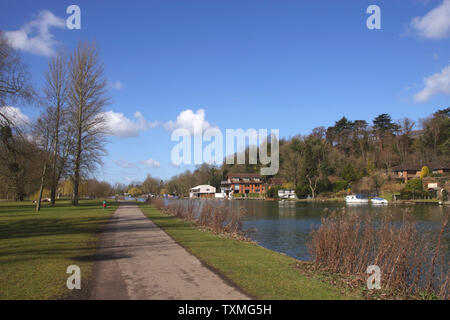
(275, 182)
(407, 172)
(244, 183)
(202, 191)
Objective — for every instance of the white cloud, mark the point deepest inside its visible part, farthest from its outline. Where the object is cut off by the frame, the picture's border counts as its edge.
(120, 126)
(34, 36)
(124, 164)
(435, 24)
(438, 83)
(151, 163)
(192, 121)
(15, 116)
(117, 85)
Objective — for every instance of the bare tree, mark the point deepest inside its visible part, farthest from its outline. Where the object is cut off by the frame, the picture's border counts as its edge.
(55, 92)
(14, 76)
(86, 99)
(44, 135)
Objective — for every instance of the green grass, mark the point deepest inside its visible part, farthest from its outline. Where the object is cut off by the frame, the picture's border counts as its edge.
(36, 248)
(260, 272)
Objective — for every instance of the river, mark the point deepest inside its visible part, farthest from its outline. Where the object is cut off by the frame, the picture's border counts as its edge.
(286, 226)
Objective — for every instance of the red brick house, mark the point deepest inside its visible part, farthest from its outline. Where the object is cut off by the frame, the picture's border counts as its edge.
(244, 183)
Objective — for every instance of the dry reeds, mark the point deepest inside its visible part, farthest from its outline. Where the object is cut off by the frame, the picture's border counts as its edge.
(216, 216)
(409, 260)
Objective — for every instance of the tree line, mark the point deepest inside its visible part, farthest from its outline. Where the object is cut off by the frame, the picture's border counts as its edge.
(354, 154)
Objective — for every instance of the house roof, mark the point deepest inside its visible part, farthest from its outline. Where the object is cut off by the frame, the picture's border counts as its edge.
(276, 181)
(417, 167)
(203, 186)
(243, 175)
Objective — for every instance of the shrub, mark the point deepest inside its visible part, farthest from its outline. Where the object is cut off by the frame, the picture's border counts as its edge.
(410, 261)
(339, 185)
(302, 191)
(424, 172)
(414, 185)
(212, 215)
(273, 192)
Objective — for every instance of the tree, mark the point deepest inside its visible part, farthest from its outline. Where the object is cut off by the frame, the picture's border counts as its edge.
(135, 191)
(437, 131)
(414, 185)
(16, 153)
(404, 140)
(86, 99)
(151, 185)
(55, 92)
(43, 134)
(14, 76)
(424, 172)
(314, 161)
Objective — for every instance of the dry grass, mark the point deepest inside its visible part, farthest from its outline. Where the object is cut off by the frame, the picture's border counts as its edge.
(410, 261)
(216, 216)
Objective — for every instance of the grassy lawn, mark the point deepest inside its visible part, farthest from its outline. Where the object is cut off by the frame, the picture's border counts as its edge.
(36, 248)
(263, 273)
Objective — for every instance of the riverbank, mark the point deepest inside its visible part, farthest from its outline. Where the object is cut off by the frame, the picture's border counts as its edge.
(37, 247)
(260, 272)
(233, 257)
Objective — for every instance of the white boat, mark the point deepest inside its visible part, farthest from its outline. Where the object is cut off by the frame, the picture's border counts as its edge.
(378, 201)
(356, 198)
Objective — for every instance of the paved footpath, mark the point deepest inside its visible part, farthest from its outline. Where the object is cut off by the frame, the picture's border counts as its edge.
(138, 260)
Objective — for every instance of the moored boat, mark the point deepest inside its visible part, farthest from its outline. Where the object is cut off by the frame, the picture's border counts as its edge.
(356, 198)
(378, 201)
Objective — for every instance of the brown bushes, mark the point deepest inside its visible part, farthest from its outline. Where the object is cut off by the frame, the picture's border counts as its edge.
(409, 260)
(213, 215)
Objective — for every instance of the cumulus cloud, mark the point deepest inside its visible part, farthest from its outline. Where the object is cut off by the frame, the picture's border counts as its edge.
(124, 164)
(120, 126)
(35, 36)
(194, 122)
(15, 115)
(151, 163)
(435, 24)
(438, 83)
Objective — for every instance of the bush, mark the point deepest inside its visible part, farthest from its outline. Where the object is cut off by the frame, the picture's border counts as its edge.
(302, 191)
(414, 185)
(273, 192)
(410, 260)
(424, 172)
(254, 195)
(339, 185)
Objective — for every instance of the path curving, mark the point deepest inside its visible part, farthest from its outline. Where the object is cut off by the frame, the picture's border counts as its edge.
(138, 260)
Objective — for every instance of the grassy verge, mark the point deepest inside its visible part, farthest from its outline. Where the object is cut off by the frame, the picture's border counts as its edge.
(36, 248)
(262, 273)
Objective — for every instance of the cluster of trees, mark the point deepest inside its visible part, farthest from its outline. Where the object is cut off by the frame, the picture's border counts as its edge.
(66, 141)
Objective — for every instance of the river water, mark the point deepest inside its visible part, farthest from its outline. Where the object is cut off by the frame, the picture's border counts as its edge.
(286, 226)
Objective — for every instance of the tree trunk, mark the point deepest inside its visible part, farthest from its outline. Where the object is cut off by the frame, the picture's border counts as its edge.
(41, 189)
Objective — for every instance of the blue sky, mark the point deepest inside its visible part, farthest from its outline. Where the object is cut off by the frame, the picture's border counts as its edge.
(290, 65)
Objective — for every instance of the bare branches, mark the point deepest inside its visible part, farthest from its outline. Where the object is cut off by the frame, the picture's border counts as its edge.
(86, 99)
(14, 77)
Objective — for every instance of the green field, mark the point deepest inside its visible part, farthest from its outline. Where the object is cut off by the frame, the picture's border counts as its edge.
(36, 248)
(260, 272)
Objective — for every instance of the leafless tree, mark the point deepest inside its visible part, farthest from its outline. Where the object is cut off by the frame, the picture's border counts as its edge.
(86, 99)
(55, 92)
(14, 76)
(43, 133)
